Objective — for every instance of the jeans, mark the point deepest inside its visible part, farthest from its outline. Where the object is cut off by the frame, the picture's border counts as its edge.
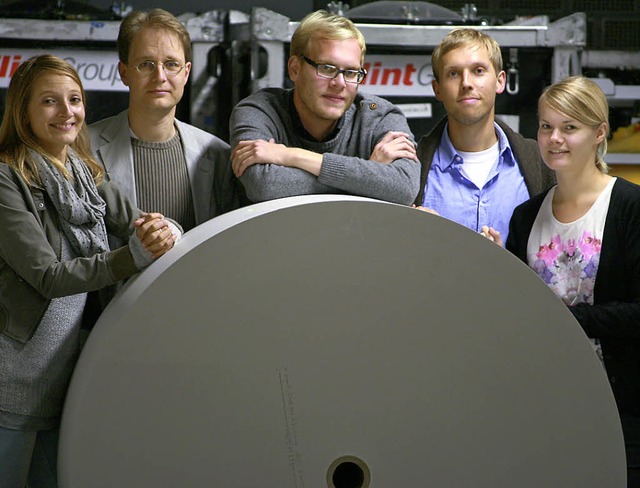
(28, 459)
(631, 430)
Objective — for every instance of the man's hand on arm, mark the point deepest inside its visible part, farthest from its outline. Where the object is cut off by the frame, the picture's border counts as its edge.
(394, 145)
(492, 234)
(248, 153)
(425, 209)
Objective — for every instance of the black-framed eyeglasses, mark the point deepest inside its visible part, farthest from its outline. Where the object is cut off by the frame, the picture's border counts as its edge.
(330, 71)
(172, 68)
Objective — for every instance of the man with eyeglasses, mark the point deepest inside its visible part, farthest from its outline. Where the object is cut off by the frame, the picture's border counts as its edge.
(162, 163)
(323, 136)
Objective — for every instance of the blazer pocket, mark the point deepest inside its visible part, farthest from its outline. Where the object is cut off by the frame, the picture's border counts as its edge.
(21, 306)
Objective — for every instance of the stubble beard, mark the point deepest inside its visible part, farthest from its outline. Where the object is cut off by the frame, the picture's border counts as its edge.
(470, 118)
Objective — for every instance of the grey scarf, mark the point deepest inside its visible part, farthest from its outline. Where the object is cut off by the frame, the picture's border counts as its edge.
(78, 203)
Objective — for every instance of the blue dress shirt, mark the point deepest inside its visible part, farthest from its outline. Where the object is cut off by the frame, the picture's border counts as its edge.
(450, 193)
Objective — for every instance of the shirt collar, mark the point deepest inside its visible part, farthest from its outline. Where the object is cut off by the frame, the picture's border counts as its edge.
(447, 153)
(505, 148)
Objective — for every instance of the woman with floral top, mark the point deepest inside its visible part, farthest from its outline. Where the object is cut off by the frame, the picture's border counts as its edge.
(582, 237)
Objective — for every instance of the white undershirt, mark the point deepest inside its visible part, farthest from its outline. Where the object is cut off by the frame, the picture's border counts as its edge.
(477, 165)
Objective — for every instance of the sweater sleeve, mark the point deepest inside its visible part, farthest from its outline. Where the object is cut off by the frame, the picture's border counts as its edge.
(519, 229)
(263, 182)
(255, 118)
(613, 319)
(397, 182)
(341, 172)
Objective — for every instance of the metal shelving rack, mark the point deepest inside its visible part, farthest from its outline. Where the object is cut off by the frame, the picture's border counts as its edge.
(270, 32)
(554, 47)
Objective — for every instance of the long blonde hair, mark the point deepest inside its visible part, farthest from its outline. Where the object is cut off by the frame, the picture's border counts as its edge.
(583, 100)
(16, 135)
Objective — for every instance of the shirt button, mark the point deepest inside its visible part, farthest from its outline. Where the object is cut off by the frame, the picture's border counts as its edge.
(41, 205)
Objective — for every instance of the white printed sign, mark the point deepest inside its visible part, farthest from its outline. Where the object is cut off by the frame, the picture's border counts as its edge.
(388, 75)
(401, 75)
(98, 70)
(416, 110)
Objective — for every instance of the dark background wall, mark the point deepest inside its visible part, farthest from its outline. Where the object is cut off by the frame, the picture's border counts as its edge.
(612, 24)
(295, 9)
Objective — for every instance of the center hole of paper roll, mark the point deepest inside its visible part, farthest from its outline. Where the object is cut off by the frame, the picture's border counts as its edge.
(348, 472)
(348, 475)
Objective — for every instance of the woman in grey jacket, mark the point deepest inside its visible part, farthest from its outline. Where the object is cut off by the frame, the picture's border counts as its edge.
(54, 216)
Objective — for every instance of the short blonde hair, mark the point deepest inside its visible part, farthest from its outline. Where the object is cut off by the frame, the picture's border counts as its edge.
(323, 25)
(16, 135)
(465, 37)
(583, 100)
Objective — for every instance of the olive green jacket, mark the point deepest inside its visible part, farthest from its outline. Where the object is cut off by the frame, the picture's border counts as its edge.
(31, 272)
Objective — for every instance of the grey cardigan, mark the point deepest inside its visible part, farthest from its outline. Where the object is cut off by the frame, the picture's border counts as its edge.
(346, 168)
(31, 273)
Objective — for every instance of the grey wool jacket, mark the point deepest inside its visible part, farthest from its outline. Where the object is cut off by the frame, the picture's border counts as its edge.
(31, 272)
(346, 168)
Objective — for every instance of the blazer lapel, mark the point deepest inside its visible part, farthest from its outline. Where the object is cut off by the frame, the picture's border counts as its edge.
(117, 156)
(200, 170)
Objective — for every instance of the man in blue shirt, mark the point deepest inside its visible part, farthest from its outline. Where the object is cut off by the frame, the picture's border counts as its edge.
(475, 169)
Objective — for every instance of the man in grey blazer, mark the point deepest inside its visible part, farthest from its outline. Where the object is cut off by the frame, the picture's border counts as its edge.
(161, 163)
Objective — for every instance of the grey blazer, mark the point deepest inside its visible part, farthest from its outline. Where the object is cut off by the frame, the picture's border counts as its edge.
(213, 185)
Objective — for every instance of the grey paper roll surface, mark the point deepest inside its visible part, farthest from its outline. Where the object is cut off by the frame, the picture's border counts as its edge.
(340, 342)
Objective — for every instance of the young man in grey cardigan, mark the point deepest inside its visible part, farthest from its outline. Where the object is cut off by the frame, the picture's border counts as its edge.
(323, 136)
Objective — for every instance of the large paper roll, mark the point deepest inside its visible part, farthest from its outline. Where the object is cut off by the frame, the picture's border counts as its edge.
(340, 342)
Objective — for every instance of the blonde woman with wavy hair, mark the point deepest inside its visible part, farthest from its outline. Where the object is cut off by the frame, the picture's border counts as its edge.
(55, 213)
(16, 132)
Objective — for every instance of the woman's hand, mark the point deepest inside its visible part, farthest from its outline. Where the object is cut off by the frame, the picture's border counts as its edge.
(492, 234)
(154, 233)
